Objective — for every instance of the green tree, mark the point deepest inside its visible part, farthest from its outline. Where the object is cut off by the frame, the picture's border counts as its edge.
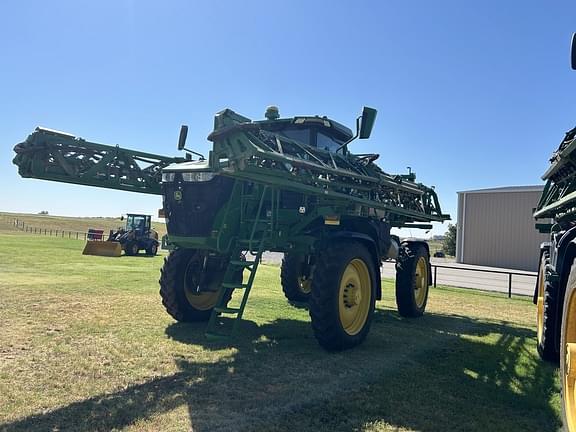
(449, 242)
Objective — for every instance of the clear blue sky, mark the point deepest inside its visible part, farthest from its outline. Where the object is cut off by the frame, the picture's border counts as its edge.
(471, 94)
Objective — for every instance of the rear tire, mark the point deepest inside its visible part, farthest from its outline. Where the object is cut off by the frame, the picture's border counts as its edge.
(343, 295)
(568, 353)
(296, 278)
(546, 319)
(152, 250)
(412, 281)
(177, 290)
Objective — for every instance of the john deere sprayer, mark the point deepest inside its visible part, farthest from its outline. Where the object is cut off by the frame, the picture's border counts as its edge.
(287, 185)
(555, 293)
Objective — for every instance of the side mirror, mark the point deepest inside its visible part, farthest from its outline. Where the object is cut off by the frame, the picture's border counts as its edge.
(367, 122)
(182, 138)
(573, 51)
(122, 217)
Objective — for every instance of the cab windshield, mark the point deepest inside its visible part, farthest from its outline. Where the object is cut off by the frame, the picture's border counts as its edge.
(135, 222)
(312, 137)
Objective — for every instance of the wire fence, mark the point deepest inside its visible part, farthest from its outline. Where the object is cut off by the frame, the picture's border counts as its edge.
(23, 226)
(510, 282)
(460, 276)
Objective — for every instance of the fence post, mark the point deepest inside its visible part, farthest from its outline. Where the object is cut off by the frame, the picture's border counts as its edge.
(76, 235)
(435, 275)
(509, 285)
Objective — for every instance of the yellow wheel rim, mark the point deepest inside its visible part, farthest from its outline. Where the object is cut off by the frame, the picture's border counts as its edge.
(305, 284)
(421, 285)
(354, 297)
(569, 357)
(540, 301)
(202, 301)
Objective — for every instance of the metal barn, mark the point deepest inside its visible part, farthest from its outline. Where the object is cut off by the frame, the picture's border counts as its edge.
(496, 227)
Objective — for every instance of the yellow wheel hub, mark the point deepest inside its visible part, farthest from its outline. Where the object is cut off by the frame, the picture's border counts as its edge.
(569, 354)
(354, 297)
(198, 300)
(421, 285)
(540, 302)
(202, 301)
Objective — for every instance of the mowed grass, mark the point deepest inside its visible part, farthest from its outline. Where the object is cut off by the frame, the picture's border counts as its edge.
(85, 345)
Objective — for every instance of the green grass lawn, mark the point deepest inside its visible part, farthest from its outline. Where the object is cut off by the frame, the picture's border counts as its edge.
(86, 345)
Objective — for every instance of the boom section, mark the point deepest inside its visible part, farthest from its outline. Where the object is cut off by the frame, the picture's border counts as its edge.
(558, 199)
(52, 155)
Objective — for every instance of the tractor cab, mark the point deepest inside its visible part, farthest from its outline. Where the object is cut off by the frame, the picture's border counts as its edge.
(319, 132)
(141, 224)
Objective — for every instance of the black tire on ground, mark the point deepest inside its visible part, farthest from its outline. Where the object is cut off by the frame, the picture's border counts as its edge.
(412, 280)
(296, 278)
(152, 250)
(343, 295)
(546, 311)
(176, 284)
(568, 339)
(131, 248)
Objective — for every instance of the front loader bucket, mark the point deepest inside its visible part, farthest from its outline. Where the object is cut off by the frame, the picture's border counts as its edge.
(102, 248)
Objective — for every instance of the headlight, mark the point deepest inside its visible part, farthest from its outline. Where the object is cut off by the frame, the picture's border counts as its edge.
(167, 177)
(197, 176)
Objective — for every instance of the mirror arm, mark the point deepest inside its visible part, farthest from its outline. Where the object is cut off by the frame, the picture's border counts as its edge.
(354, 137)
(193, 152)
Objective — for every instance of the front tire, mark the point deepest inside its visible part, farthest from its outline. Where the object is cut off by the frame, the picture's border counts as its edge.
(343, 295)
(412, 281)
(132, 248)
(296, 278)
(546, 320)
(178, 281)
(568, 353)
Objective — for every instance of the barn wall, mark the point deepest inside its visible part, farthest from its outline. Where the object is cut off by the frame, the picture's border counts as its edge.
(497, 229)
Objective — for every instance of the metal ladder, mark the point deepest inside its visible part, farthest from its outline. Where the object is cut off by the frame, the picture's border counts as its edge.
(219, 328)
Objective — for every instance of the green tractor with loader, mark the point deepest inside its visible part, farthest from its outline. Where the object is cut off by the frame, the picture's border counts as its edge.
(555, 291)
(287, 185)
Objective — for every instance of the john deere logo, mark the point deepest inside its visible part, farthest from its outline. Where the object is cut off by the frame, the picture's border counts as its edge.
(178, 195)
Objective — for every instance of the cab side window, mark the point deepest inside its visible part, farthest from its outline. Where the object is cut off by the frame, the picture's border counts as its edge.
(325, 142)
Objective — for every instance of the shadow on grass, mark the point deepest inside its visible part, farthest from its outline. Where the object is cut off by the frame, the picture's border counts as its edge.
(437, 373)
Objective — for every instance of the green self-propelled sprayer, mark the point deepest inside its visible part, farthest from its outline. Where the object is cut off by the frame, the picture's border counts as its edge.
(287, 185)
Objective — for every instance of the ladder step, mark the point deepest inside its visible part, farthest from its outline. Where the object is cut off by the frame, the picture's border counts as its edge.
(216, 336)
(227, 310)
(262, 221)
(234, 285)
(242, 263)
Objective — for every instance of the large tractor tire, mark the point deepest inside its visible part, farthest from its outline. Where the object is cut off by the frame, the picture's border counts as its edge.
(568, 353)
(296, 278)
(412, 281)
(343, 295)
(546, 320)
(152, 250)
(179, 278)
